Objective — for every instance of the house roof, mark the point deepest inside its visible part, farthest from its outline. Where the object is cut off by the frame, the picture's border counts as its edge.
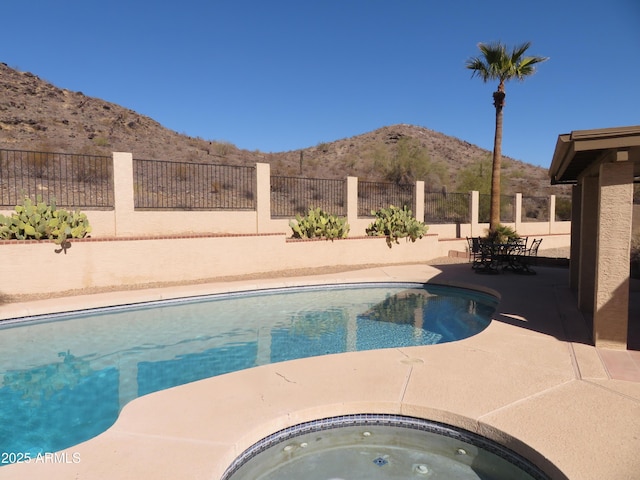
(578, 152)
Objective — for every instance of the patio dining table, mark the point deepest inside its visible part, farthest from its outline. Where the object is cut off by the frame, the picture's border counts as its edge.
(506, 256)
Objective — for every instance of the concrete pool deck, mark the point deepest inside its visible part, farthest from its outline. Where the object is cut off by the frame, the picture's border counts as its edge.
(530, 381)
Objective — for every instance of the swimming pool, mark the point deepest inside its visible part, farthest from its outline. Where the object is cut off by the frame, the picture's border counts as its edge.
(66, 377)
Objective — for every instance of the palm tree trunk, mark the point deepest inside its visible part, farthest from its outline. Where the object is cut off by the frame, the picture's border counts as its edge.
(494, 213)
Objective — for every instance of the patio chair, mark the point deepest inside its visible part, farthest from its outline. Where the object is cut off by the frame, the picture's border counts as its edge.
(475, 252)
(522, 241)
(517, 246)
(482, 255)
(530, 256)
(532, 251)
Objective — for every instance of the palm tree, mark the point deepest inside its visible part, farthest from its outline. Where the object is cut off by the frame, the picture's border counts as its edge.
(496, 63)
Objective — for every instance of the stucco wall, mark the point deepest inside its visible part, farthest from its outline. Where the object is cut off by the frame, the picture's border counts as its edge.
(35, 267)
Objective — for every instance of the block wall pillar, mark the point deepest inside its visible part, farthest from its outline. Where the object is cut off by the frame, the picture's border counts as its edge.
(474, 213)
(611, 308)
(123, 193)
(352, 200)
(517, 218)
(263, 197)
(552, 213)
(418, 209)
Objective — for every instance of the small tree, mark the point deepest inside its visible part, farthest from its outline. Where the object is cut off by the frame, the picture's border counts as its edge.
(408, 161)
(475, 176)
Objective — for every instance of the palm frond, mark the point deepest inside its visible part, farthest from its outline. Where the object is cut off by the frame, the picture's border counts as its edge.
(526, 66)
(479, 68)
(496, 63)
(518, 51)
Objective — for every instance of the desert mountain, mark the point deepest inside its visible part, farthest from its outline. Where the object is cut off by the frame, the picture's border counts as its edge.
(36, 115)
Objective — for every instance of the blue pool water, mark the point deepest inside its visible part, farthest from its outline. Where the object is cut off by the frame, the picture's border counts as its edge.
(65, 378)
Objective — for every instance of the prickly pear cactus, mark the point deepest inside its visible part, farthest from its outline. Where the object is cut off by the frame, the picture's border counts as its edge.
(396, 223)
(319, 224)
(42, 221)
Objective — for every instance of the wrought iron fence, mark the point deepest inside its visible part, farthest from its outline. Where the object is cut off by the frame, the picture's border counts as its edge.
(535, 209)
(375, 195)
(86, 181)
(69, 180)
(507, 208)
(295, 195)
(160, 184)
(443, 207)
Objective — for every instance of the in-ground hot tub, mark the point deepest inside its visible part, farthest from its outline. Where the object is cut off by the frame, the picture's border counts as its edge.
(376, 447)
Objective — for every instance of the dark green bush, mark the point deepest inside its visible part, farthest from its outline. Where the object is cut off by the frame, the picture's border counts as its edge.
(502, 234)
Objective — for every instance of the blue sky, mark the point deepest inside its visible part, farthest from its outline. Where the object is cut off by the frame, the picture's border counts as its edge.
(280, 75)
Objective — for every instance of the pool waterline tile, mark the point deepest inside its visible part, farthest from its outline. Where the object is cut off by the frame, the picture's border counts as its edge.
(371, 431)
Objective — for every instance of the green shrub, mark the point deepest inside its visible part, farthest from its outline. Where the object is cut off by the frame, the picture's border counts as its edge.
(396, 223)
(41, 221)
(406, 161)
(502, 234)
(101, 141)
(38, 163)
(319, 224)
(323, 147)
(563, 209)
(223, 148)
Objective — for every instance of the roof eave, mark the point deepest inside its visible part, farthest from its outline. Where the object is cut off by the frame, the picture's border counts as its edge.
(597, 141)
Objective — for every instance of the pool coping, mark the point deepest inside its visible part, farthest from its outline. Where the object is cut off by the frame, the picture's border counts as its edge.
(530, 381)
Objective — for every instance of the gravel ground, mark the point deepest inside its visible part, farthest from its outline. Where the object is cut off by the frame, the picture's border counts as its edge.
(562, 252)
